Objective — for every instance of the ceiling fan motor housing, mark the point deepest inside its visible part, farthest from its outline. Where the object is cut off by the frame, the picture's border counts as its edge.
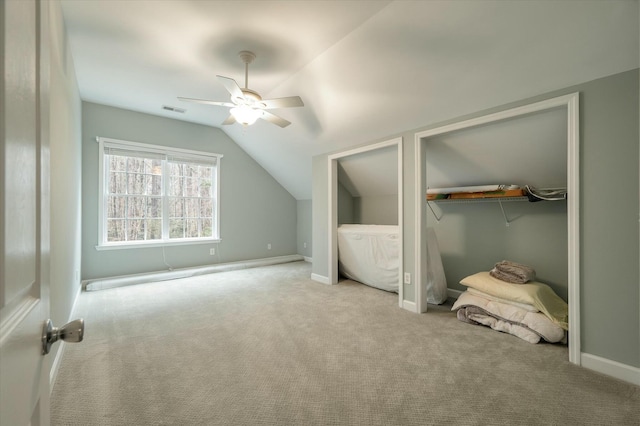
(251, 98)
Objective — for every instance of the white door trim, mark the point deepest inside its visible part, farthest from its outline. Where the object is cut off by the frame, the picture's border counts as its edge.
(571, 103)
(332, 173)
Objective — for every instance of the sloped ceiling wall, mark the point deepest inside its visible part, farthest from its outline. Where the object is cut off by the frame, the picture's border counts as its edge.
(371, 173)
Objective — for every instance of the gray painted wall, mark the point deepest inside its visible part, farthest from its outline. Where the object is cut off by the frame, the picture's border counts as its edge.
(376, 210)
(304, 240)
(346, 205)
(472, 237)
(65, 145)
(254, 209)
(320, 216)
(609, 204)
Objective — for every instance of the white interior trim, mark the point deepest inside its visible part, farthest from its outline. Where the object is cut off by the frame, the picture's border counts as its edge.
(453, 293)
(166, 152)
(320, 278)
(611, 368)
(410, 306)
(332, 173)
(124, 280)
(571, 103)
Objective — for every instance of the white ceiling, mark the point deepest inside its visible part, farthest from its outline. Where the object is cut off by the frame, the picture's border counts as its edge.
(366, 70)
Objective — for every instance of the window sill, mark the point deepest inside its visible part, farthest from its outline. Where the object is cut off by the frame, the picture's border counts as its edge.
(137, 245)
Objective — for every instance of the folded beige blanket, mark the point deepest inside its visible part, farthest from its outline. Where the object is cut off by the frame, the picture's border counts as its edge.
(532, 293)
(512, 272)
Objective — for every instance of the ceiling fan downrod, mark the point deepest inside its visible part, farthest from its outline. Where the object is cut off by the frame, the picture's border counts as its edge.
(247, 57)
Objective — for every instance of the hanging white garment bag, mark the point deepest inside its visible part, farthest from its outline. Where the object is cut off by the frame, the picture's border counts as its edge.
(436, 281)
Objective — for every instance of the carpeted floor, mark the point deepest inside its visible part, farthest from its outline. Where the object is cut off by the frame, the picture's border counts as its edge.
(269, 346)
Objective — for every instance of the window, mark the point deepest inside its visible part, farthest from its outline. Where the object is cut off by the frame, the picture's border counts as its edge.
(156, 195)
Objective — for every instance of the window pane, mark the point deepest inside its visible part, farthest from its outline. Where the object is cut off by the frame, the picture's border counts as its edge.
(176, 228)
(176, 207)
(154, 207)
(135, 183)
(117, 183)
(205, 188)
(190, 187)
(135, 230)
(136, 206)
(191, 228)
(176, 186)
(156, 167)
(135, 164)
(176, 169)
(153, 185)
(116, 207)
(191, 170)
(154, 229)
(193, 207)
(207, 228)
(206, 208)
(117, 163)
(115, 230)
(152, 166)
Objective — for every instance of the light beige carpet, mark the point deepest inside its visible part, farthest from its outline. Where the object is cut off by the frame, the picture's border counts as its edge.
(269, 346)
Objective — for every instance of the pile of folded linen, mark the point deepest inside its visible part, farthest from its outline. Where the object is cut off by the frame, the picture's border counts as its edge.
(508, 299)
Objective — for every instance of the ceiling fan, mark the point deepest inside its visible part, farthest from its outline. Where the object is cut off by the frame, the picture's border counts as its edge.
(246, 104)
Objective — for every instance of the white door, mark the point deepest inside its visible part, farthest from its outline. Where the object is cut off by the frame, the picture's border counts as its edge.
(24, 212)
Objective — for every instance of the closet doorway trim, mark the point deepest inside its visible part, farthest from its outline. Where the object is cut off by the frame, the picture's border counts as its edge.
(571, 103)
(333, 207)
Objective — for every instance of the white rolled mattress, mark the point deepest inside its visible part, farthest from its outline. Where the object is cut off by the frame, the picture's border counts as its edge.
(369, 254)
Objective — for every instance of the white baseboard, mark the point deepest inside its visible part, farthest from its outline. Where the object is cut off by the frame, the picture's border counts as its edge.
(611, 368)
(111, 282)
(308, 259)
(410, 306)
(452, 293)
(320, 278)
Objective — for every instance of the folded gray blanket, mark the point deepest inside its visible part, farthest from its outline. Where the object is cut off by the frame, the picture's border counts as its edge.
(512, 272)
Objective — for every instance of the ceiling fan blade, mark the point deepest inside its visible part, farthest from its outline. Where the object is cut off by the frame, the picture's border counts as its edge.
(231, 86)
(272, 118)
(204, 101)
(230, 120)
(291, 101)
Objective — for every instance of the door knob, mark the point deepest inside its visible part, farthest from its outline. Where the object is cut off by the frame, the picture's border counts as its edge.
(71, 332)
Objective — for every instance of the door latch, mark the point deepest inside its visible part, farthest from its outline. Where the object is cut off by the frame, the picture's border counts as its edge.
(72, 332)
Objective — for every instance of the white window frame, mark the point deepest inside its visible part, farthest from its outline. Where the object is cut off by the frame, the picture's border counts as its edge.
(103, 244)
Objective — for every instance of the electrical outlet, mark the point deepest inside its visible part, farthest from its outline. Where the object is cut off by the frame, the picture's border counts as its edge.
(407, 278)
(305, 245)
(269, 246)
(212, 251)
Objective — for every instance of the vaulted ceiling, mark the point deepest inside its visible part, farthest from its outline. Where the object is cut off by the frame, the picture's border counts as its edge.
(365, 70)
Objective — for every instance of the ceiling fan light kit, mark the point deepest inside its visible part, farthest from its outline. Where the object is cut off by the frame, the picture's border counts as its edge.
(245, 115)
(247, 105)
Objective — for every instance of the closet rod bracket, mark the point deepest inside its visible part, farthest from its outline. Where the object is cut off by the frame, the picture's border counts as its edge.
(434, 213)
(507, 222)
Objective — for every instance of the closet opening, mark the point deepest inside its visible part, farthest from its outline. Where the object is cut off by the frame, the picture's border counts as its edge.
(537, 145)
(365, 195)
